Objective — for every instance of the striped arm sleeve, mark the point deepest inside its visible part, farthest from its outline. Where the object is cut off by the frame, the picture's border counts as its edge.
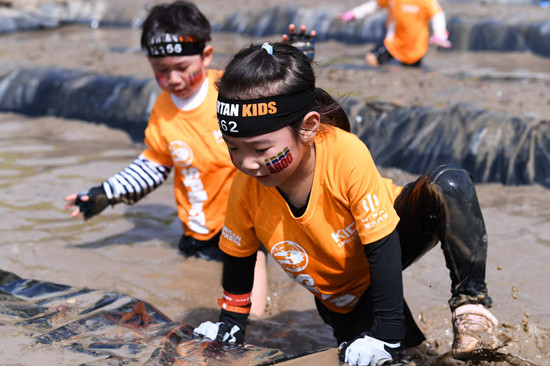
(136, 181)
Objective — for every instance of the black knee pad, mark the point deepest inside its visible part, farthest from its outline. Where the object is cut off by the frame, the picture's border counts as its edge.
(450, 179)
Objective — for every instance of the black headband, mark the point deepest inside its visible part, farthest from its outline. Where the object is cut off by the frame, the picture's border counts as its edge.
(165, 45)
(253, 117)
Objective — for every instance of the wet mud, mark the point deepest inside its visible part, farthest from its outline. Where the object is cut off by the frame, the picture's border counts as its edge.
(132, 250)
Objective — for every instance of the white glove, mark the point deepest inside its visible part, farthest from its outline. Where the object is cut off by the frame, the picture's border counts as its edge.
(225, 332)
(440, 41)
(367, 351)
(347, 16)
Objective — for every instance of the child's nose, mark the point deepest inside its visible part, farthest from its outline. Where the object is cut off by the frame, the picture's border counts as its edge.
(249, 163)
(174, 77)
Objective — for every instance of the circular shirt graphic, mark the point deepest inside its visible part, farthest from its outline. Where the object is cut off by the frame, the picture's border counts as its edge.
(182, 155)
(290, 256)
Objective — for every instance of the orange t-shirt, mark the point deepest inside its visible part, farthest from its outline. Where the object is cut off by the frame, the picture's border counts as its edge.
(191, 142)
(350, 204)
(409, 43)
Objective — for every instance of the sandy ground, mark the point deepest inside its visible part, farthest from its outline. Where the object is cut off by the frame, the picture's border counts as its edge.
(133, 249)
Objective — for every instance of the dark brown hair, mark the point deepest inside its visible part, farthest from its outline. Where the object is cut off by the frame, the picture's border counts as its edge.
(254, 73)
(178, 18)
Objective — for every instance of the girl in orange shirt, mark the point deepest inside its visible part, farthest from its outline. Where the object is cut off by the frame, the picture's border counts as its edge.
(310, 192)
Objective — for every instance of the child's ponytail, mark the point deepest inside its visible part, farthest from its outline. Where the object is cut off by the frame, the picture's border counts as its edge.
(331, 112)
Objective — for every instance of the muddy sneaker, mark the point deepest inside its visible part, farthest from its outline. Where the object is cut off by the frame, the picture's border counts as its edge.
(474, 330)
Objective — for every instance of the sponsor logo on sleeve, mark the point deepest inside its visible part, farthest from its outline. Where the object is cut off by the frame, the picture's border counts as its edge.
(231, 236)
(376, 214)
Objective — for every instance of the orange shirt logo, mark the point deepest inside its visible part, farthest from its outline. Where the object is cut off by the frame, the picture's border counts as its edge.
(290, 256)
(182, 155)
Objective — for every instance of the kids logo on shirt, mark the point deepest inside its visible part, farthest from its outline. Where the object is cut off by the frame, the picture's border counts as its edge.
(291, 256)
(279, 162)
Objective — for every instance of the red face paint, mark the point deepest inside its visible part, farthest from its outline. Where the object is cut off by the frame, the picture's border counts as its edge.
(161, 79)
(280, 162)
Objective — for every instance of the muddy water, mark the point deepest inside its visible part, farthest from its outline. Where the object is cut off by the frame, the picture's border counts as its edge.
(132, 249)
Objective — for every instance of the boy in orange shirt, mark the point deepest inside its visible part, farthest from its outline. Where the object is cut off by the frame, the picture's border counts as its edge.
(182, 135)
(309, 191)
(407, 33)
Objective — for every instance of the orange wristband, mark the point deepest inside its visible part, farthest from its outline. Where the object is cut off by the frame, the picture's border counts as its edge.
(237, 300)
(236, 309)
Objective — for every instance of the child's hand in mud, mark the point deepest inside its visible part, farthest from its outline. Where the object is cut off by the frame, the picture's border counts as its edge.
(89, 203)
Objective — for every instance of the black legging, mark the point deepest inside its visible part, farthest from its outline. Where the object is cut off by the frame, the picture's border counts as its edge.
(440, 206)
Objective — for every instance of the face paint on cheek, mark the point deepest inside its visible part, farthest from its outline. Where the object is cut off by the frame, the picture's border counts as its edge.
(195, 77)
(280, 162)
(161, 79)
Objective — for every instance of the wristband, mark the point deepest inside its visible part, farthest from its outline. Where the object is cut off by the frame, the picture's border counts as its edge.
(235, 309)
(237, 300)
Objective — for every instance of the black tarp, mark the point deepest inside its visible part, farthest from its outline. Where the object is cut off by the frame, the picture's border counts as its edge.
(94, 327)
(122, 102)
(492, 146)
(466, 33)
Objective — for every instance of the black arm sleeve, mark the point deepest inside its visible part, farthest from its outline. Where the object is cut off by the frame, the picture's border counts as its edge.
(386, 286)
(238, 278)
(238, 273)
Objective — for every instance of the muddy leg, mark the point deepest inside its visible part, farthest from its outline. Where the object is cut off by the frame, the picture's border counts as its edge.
(442, 206)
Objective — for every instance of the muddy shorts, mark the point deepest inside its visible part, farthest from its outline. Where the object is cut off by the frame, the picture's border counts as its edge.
(384, 57)
(205, 249)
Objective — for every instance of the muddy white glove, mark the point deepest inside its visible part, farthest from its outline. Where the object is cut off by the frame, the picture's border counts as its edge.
(221, 331)
(367, 351)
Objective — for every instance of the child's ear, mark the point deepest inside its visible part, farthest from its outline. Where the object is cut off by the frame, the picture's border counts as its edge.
(206, 55)
(310, 125)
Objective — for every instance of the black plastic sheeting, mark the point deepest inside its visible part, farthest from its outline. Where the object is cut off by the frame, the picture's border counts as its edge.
(465, 33)
(495, 35)
(493, 147)
(57, 13)
(110, 328)
(119, 101)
